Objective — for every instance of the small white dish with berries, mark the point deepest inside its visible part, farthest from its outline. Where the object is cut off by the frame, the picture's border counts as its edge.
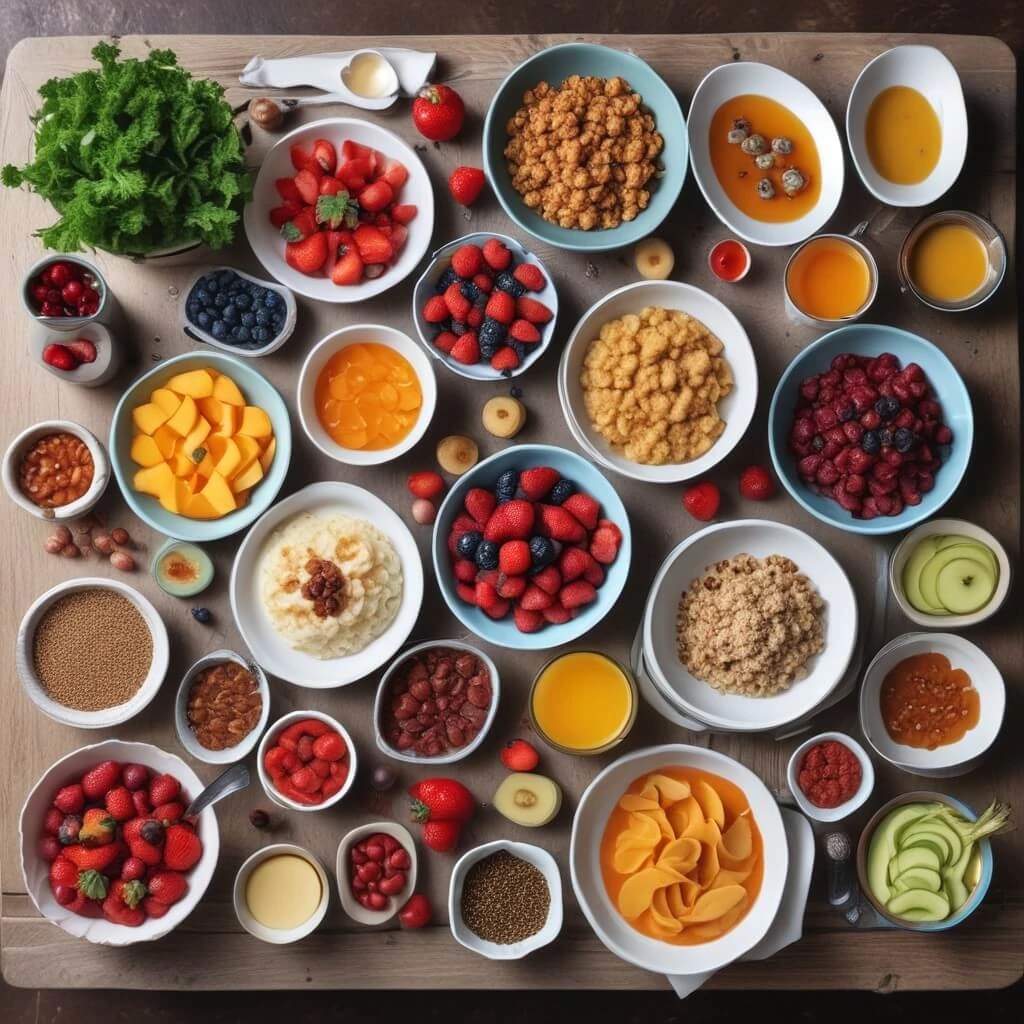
(376, 871)
(342, 209)
(485, 307)
(106, 853)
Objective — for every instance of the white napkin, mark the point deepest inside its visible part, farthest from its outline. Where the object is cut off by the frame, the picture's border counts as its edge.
(323, 70)
(789, 922)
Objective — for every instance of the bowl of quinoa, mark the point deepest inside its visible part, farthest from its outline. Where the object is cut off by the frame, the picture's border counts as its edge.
(91, 652)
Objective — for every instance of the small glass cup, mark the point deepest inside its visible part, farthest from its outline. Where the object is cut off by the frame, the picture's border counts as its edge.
(615, 740)
(991, 239)
(827, 323)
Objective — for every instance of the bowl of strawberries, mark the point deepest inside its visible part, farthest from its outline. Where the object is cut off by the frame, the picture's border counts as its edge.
(485, 307)
(342, 210)
(106, 851)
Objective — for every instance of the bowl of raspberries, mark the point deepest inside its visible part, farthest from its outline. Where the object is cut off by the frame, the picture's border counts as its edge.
(107, 853)
(485, 307)
(870, 429)
(531, 547)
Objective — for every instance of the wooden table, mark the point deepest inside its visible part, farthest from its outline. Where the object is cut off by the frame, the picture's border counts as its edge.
(209, 950)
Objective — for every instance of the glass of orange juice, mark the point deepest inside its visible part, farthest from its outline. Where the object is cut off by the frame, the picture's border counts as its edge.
(830, 280)
(583, 702)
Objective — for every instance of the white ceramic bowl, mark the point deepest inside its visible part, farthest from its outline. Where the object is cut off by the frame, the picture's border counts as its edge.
(540, 859)
(737, 408)
(954, 758)
(845, 809)
(440, 260)
(901, 554)
(108, 716)
(187, 737)
(270, 737)
(88, 375)
(930, 72)
(277, 936)
(349, 903)
(266, 240)
(760, 538)
(197, 333)
(36, 873)
(354, 334)
(385, 682)
(617, 934)
(20, 447)
(267, 647)
(744, 78)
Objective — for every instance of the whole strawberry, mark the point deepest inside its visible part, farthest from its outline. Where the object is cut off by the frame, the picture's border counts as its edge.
(441, 800)
(702, 500)
(182, 848)
(466, 184)
(756, 483)
(519, 756)
(441, 836)
(438, 113)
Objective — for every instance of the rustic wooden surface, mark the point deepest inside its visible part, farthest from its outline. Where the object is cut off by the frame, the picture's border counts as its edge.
(210, 951)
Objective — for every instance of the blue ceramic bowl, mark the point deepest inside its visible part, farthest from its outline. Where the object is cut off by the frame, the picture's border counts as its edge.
(257, 391)
(873, 340)
(503, 632)
(554, 65)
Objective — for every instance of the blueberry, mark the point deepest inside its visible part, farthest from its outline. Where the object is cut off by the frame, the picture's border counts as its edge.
(486, 556)
(507, 283)
(210, 281)
(887, 407)
(258, 292)
(220, 300)
(562, 490)
(248, 319)
(261, 335)
(203, 320)
(225, 278)
(230, 314)
(262, 316)
(201, 295)
(242, 300)
(448, 277)
(219, 330)
(468, 543)
(869, 442)
(519, 348)
(203, 615)
(507, 483)
(243, 333)
(516, 392)
(235, 333)
(542, 552)
(272, 300)
(817, 442)
(905, 439)
(192, 309)
(885, 436)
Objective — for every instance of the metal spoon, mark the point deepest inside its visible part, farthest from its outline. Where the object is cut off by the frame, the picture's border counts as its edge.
(235, 778)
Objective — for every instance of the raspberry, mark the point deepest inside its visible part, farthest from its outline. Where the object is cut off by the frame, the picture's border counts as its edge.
(468, 261)
(530, 277)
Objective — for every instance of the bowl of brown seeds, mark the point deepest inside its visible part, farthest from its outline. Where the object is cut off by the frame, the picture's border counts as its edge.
(91, 652)
(505, 900)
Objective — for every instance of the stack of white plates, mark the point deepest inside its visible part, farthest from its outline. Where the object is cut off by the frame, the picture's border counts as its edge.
(695, 703)
(954, 758)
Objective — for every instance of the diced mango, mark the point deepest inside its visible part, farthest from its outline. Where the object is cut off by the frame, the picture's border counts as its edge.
(228, 391)
(227, 464)
(255, 423)
(218, 493)
(184, 420)
(199, 507)
(247, 478)
(148, 417)
(268, 454)
(181, 465)
(193, 383)
(230, 418)
(170, 500)
(248, 450)
(155, 480)
(209, 408)
(206, 467)
(166, 399)
(167, 441)
(145, 451)
(200, 432)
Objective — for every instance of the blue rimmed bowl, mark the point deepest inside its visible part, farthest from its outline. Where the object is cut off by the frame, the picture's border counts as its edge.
(873, 340)
(257, 390)
(554, 65)
(503, 632)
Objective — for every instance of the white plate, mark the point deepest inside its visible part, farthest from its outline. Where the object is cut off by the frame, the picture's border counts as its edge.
(745, 78)
(617, 934)
(737, 408)
(266, 240)
(985, 678)
(759, 538)
(930, 72)
(276, 656)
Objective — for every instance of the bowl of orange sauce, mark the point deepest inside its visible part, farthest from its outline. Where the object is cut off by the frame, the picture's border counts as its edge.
(366, 394)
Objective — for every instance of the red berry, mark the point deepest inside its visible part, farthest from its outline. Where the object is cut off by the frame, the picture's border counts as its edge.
(756, 483)
(519, 756)
(702, 500)
(466, 184)
(425, 484)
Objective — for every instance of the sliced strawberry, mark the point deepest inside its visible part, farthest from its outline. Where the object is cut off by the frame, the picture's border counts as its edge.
(373, 246)
(307, 256)
(301, 226)
(377, 196)
(351, 149)
(301, 158)
(308, 185)
(395, 174)
(280, 215)
(330, 186)
(287, 190)
(403, 213)
(325, 155)
(349, 267)
(354, 173)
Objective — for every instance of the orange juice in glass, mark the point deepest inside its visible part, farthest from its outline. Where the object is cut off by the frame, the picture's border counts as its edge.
(583, 702)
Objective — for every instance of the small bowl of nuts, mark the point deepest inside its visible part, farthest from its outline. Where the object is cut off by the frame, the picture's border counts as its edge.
(603, 188)
(222, 707)
(56, 470)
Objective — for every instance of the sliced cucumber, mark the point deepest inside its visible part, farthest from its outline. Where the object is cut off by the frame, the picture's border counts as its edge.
(931, 906)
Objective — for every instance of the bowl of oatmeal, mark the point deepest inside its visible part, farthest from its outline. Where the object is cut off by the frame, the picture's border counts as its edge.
(658, 381)
(585, 147)
(749, 625)
(326, 586)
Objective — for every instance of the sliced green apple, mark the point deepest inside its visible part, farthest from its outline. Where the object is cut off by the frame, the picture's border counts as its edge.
(928, 579)
(964, 585)
(923, 552)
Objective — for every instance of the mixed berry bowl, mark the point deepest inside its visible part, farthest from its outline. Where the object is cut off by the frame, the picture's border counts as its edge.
(870, 429)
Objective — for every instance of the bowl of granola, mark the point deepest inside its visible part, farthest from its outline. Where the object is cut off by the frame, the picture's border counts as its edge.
(605, 186)
(749, 625)
(658, 381)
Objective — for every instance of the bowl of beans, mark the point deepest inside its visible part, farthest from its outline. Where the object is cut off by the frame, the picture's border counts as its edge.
(436, 702)
(91, 652)
(830, 776)
(56, 470)
(222, 707)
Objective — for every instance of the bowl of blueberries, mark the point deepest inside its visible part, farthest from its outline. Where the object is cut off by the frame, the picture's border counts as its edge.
(238, 313)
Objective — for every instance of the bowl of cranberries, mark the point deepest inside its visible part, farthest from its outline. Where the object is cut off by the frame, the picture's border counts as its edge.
(65, 292)
(870, 429)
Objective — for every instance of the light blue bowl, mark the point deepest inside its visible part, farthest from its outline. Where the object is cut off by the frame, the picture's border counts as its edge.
(503, 632)
(873, 340)
(257, 391)
(554, 65)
